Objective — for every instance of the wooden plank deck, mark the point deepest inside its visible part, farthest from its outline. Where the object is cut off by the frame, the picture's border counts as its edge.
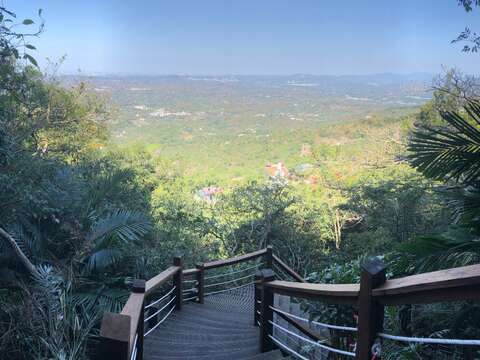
(220, 329)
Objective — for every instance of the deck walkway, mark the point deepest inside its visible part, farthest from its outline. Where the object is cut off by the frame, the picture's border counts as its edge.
(220, 329)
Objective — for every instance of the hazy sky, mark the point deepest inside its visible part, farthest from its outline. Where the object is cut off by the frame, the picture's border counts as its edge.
(252, 36)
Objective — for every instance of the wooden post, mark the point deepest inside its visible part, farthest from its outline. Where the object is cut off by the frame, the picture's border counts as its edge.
(114, 337)
(266, 328)
(269, 257)
(370, 312)
(138, 287)
(200, 283)
(178, 282)
(257, 295)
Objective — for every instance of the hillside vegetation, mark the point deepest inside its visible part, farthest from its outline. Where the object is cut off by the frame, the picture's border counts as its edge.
(93, 196)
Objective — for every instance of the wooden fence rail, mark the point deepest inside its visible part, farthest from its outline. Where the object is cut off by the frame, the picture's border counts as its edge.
(371, 295)
(121, 335)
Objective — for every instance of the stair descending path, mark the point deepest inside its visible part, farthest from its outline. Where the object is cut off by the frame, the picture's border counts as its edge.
(220, 329)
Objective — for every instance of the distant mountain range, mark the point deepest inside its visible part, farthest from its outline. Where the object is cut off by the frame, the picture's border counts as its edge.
(381, 78)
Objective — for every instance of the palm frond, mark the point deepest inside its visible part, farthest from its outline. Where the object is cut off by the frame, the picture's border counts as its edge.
(18, 234)
(456, 247)
(122, 224)
(464, 202)
(27, 236)
(111, 300)
(449, 152)
(103, 258)
(108, 186)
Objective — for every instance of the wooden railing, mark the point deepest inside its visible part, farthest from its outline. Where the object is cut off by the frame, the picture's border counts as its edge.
(122, 335)
(370, 296)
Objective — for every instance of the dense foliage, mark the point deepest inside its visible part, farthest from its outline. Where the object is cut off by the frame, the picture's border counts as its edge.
(69, 211)
(81, 216)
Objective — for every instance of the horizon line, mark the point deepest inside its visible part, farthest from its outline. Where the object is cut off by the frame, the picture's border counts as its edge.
(100, 73)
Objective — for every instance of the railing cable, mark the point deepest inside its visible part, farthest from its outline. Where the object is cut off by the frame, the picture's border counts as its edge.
(159, 311)
(285, 347)
(314, 343)
(430, 340)
(189, 281)
(280, 271)
(230, 281)
(234, 272)
(133, 356)
(230, 289)
(161, 321)
(189, 290)
(190, 298)
(329, 326)
(161, 299)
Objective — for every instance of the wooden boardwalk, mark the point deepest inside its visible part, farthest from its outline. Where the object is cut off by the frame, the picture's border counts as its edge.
(220, 329)
(223, 326)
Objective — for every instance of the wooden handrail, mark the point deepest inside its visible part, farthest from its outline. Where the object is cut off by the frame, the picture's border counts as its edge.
(332, 293)
(234, 260)
(374, 292)
(134, 309)
(118, 331)
(460, 283)
(188, 272)
(288, 269)
(160, 279)
(451, 284)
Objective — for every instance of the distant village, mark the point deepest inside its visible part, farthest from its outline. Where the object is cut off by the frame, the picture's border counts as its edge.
(275, 171)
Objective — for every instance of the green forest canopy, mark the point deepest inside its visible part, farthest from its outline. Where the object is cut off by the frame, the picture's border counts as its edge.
(80, 217)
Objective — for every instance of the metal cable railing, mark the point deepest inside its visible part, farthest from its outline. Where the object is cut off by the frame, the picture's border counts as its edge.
(161, 321)
(311, 342)
(189, 290)
(229, 289)
(133, 356)
(160, 310)
(277, 270)
(234, 272)
(161, 299)
(467, 342)
(163, 308)
(147, 311)
(286, 348)
(328, 326)
(190, 281)
(229, 281)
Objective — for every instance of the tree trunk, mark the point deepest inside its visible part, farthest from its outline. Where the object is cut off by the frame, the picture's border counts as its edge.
(21, 256)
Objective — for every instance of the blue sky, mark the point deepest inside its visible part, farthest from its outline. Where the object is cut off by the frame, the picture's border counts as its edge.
(252, 36)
